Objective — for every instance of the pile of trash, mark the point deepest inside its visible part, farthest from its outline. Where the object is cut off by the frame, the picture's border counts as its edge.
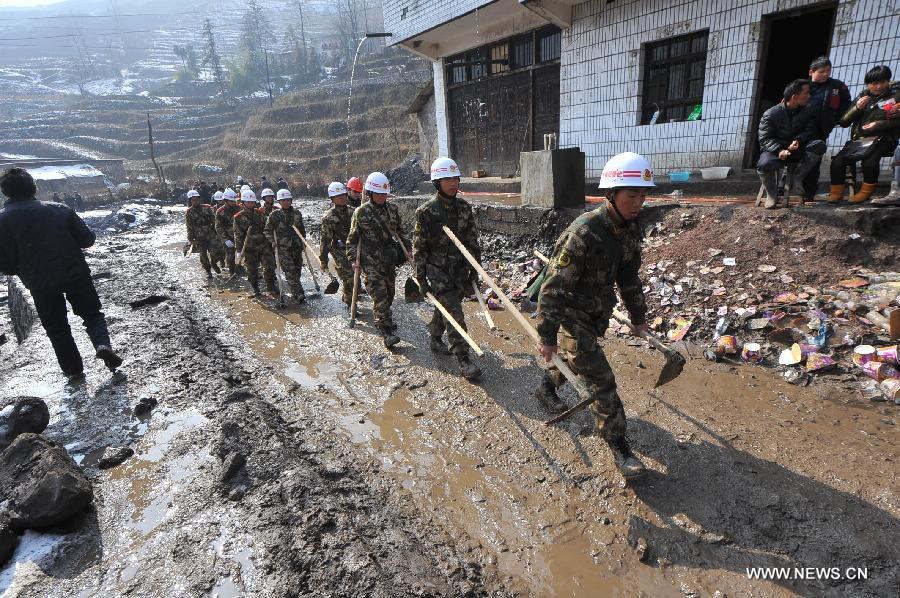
(851, 326)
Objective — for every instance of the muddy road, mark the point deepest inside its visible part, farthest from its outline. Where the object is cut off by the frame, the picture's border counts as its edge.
(289, 455)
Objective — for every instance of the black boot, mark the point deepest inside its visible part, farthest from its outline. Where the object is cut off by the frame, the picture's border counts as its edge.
(389, 339)
(111, 360)
(630, 466)
(546, 394)
(255, 287)
(208, 274)
(467, 369)
(438, 347)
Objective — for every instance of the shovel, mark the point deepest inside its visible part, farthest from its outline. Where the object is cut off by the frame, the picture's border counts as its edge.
(332, 286)
(279, 273)
(674, 360)
(356, 269)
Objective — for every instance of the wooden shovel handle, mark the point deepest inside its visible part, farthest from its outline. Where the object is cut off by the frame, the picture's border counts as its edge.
(525, 324)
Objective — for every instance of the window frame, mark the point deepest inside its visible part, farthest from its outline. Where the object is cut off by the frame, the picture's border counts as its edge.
(484, 53)
(685, 102)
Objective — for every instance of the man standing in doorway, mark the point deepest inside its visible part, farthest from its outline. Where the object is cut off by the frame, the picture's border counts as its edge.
(42, 245)
(829, 99)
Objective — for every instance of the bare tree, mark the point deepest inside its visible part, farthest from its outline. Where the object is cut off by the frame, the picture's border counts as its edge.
(254, 37)
(346, 24)
(211, 58)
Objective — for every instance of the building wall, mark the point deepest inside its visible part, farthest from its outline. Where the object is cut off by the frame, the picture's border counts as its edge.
(600, 81)
(428, 134)
(422, 15)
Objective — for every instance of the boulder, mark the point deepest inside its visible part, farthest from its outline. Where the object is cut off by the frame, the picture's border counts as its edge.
(113, 455)
(8, 539)
(42, 484)
(23, 414)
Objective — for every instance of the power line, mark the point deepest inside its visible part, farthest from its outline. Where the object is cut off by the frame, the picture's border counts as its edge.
(139, 14)
(13, 39)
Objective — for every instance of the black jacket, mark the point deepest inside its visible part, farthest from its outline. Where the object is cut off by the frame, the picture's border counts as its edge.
(41, 243)
(779, 127)
(829, 101)
(885, 126)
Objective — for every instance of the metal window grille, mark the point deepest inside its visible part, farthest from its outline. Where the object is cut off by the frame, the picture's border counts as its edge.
(674, 71)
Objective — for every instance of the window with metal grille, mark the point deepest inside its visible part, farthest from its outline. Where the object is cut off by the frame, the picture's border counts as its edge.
(499, 53)
(549, 41)
(674, 71)
(521, 52)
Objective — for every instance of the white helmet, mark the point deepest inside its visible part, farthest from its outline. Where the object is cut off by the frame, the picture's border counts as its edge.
(229, 194)
(245, 188)
(284, 194)
(627, 169)
(378, 183)
(193, 193)
(335, 189)
(444, 168)
(217, 196)
(248, 195)
(267, 192)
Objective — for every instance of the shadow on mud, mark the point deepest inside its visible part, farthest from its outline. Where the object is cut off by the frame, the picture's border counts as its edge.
(727, 509)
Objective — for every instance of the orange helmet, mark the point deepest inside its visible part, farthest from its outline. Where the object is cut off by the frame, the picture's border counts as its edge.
(355, 184)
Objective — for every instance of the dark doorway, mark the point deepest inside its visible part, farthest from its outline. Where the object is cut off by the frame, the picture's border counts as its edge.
(789, 42)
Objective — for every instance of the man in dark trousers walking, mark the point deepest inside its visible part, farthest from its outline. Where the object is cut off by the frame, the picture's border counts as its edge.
(42, 244)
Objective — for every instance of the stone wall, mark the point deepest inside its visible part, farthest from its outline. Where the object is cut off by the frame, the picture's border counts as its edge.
(22, 314)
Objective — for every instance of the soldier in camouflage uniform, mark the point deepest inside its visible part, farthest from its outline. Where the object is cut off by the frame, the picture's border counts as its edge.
(248, 228)
(354, 193)
(280, 224)
(218, 202)
(599, 250)
(225, 229)
(440, 267)
(201, 232)
(372, 228)
(335, 228)
(267, 255)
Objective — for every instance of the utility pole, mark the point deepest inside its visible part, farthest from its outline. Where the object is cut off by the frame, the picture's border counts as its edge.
(302, 37)
(161, 184)
(268, 80)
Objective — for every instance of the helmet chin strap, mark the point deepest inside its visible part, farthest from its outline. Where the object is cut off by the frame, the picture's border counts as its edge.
(612, 202)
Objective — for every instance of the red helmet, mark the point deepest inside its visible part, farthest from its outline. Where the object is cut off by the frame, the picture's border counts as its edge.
(355, 184)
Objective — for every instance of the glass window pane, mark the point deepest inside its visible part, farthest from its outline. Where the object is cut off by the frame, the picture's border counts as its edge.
(697, 68)
(699, 43)
(695, 88)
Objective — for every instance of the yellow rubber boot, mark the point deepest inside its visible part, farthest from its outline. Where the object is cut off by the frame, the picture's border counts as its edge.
(837, 193)
(864, 193)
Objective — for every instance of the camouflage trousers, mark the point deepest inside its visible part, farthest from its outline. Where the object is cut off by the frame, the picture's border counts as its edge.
(451, 299)
(345, 273)
(255, 257)
(229, 257)
(208, 252)
(381, 284)
(292, 264)
(580, 351)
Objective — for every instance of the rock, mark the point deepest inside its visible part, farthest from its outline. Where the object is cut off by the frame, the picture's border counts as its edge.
(237, 493)
(113, 455)
(231, 465)
(42, 483)
(643, 550)
(145, 405)
(27, 414)
(149, 300)
(3, 339)
(8, 539)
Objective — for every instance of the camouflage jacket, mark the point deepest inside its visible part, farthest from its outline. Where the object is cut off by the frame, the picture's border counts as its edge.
(597, 251)
(281, 222)
(370, 226)
(225, 222)
(201, 223)
(434, 254)
(266, 210)
(250, 222)
(335, 228)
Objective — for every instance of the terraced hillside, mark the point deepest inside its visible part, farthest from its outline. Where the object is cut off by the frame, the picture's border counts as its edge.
(116, 127)
(304, 137)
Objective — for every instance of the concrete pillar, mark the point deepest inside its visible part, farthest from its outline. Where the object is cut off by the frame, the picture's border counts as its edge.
(440, 108)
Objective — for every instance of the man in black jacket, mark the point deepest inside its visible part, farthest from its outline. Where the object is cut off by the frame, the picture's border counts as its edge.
(787, 135)
(42, 244)
(829, 99)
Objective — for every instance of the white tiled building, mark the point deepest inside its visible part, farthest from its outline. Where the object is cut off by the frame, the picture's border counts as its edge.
(621, 61)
